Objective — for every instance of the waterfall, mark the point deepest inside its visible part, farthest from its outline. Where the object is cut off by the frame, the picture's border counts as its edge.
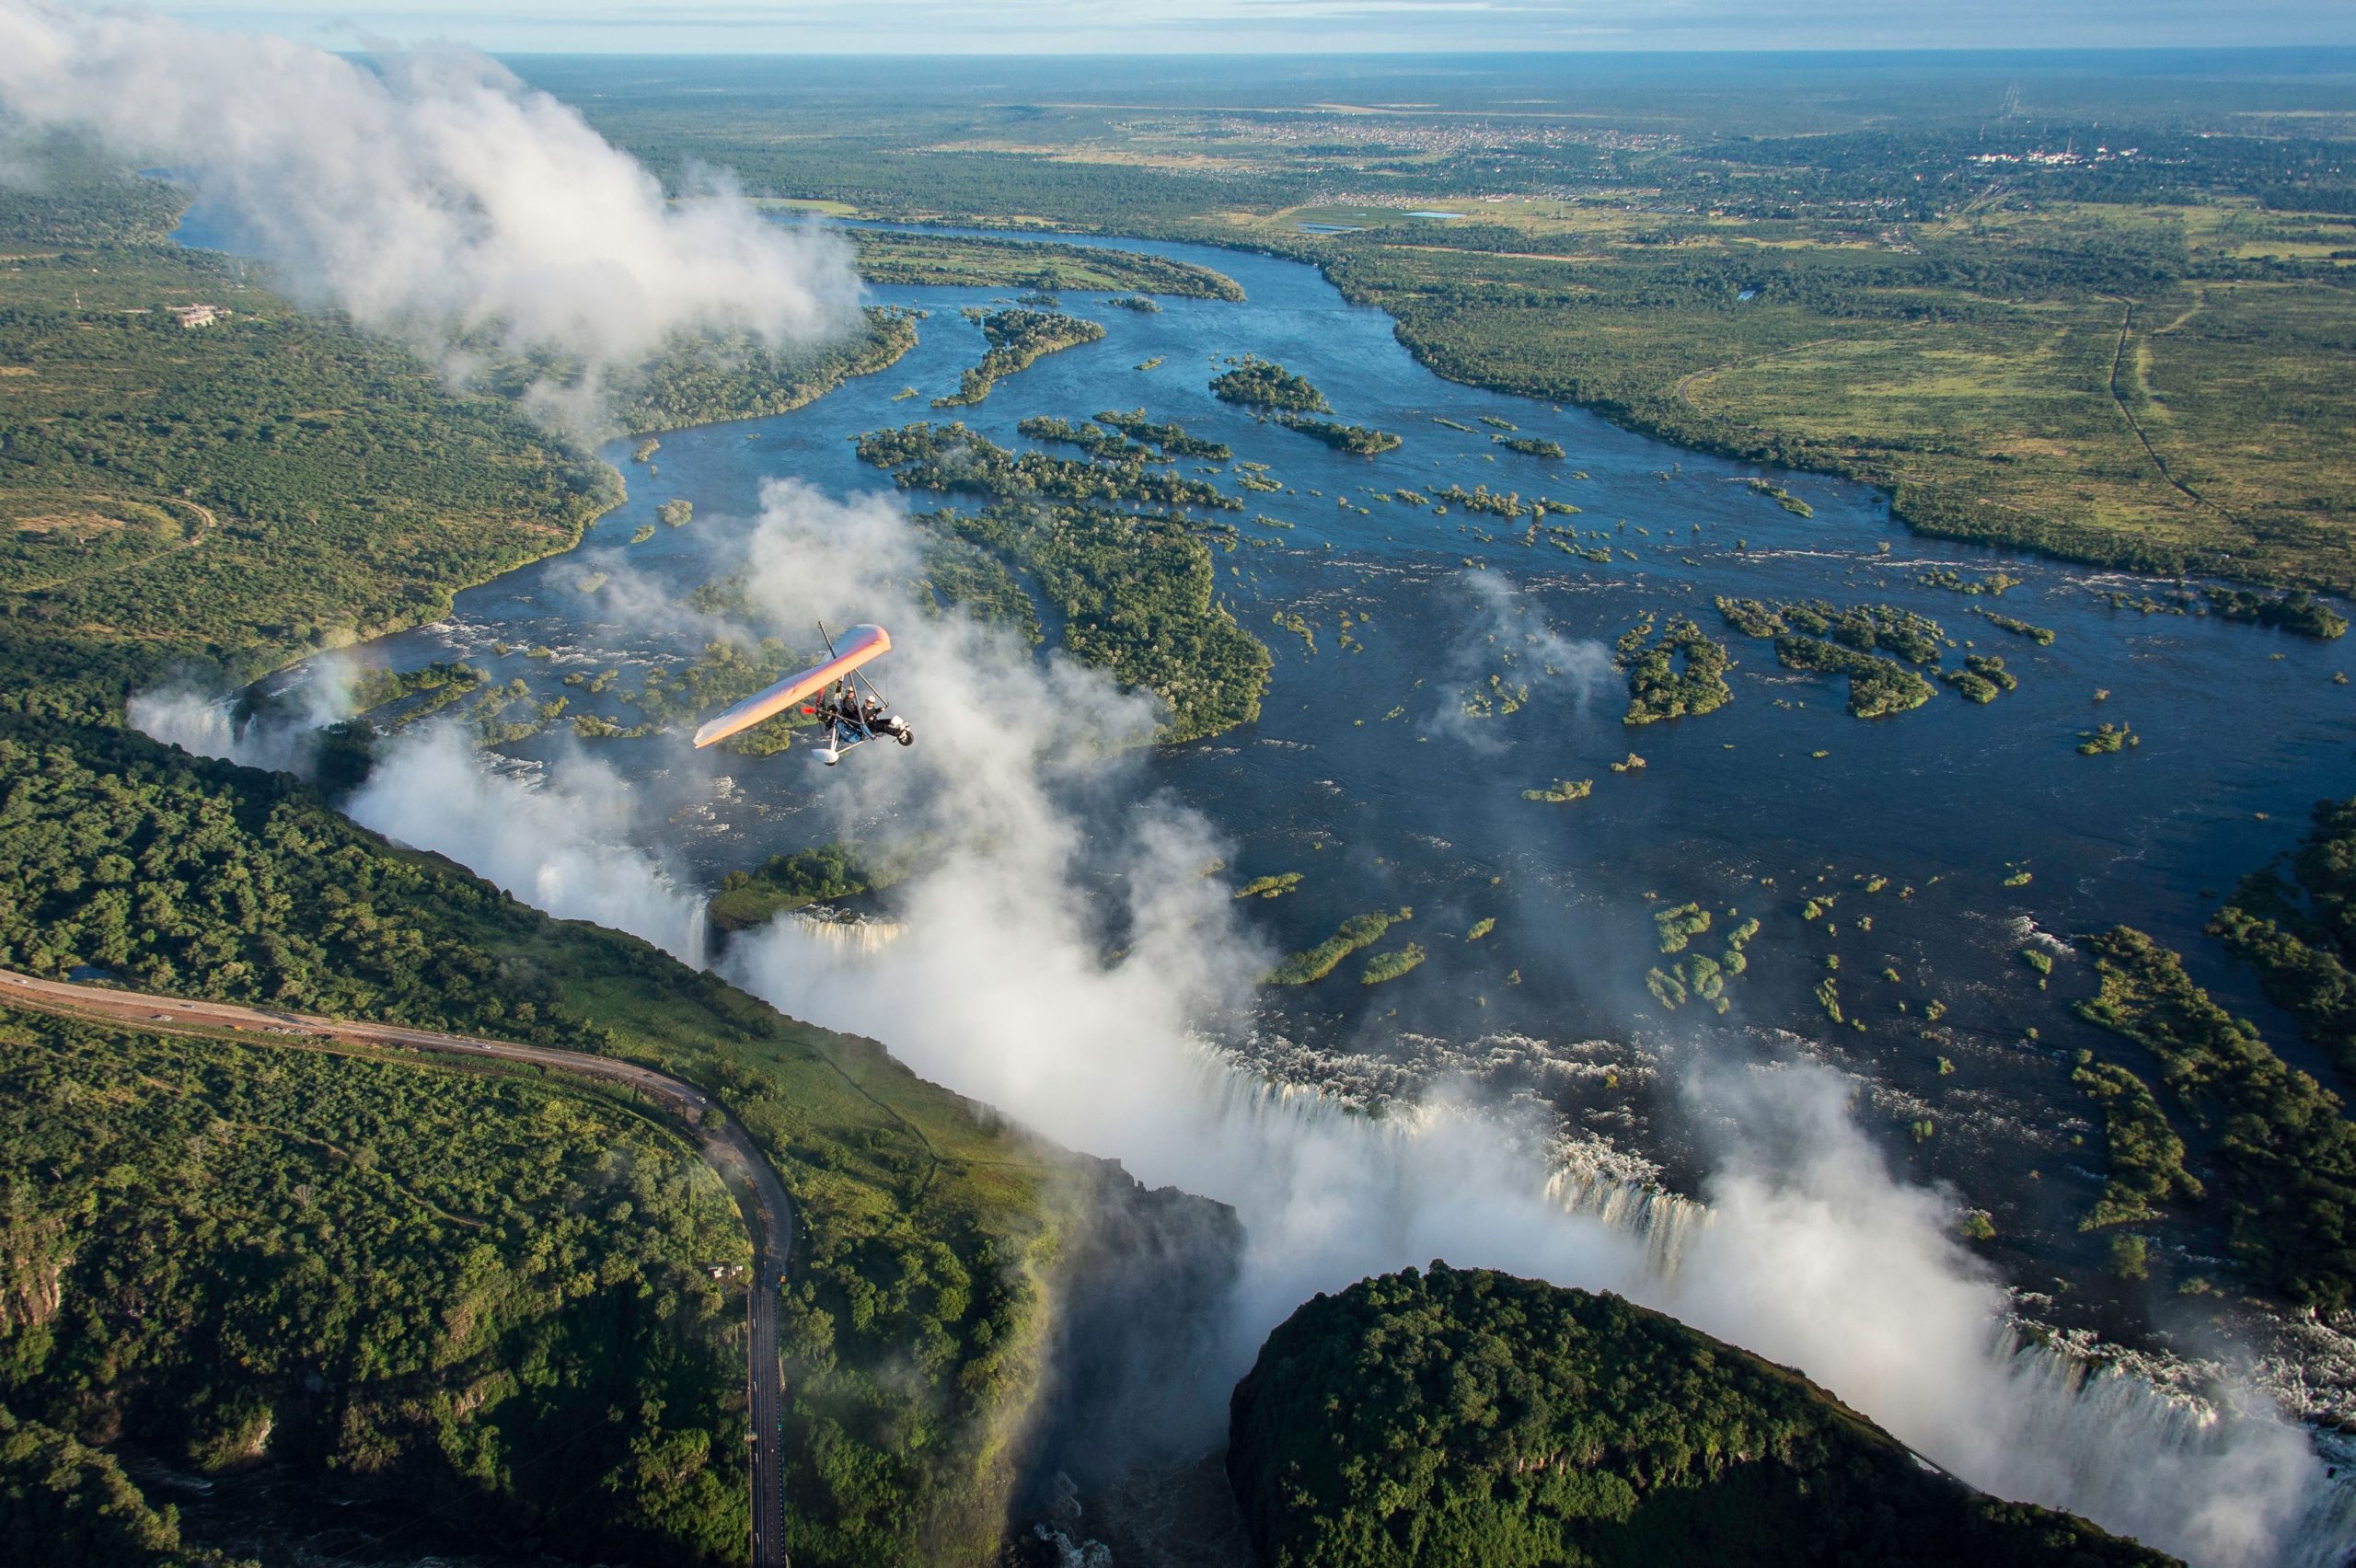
(1665, 1222)
(2110, 1434)
(853, 939)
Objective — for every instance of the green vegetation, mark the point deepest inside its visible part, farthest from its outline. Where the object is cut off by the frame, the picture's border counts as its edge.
(2101, 380)
(642, 532)
(1677, 927)
(1562, 792)
(2299, 934)
(2297, 611)
(1481, 927)
(1105, 446)
(1171, 437)
(963, 576)
(2107, 739)
(1983, 677)
(1466, 1417)
(1876, 687)
(1359, 440)
(1018, 339)
(1993, 584)
(481, 1292)
(2284, 1152)
(65, 1504)
(1136, 598)
(955, 460)
(2108, 327)
(217, 502)
(1314, 964)
(910, 1326)
(1866, 628)
(1684, 672)
(1260, 384)
(1385, 966)
(1782, 498)
(1136, 303)
(696, 380)
(676, 512)
(2146, 1155)
(1697, 973)
(827, 873)
(1274, 886)
(2042, 636)
(77, 200)
(964, 262)
(1532, 446)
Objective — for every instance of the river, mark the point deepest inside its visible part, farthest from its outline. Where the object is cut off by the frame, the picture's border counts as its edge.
(1956, 837)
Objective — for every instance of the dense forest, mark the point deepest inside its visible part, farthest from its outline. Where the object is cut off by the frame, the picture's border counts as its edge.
(956, 460)
(2282, 1149)
(1257, 384)
(1453, 1416)
(698, 380)
(1137, 597)
(1018, 339)
(910, 1324)
(490, 1295)
(210, 502)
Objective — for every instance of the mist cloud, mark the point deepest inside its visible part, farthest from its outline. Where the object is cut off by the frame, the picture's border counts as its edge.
(427, 191)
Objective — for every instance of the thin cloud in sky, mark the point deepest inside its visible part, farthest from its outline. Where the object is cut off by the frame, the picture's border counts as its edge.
(939, 26)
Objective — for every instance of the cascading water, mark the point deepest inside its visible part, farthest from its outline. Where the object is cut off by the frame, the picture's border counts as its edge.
(1665, 1222)
(2107, 1438)
(2091, 1434)
(851, 940)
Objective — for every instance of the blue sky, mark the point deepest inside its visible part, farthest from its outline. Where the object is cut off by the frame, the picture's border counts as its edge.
(1293, 26)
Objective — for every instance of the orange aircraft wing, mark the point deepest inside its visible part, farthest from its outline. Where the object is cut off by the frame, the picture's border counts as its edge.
(859, 644)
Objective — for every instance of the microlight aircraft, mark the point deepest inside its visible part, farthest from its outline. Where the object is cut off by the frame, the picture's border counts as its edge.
(850, 710)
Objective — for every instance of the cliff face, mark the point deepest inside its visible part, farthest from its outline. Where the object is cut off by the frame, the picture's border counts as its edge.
(1139, 1290)
(1461, 1416)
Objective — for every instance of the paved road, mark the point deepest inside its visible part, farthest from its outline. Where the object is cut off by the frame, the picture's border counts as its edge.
(768, 1213)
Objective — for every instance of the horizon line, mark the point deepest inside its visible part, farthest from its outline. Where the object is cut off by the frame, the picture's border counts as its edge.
(2347, 48)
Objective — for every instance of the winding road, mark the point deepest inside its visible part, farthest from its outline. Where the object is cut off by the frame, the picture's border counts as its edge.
(768, 1213)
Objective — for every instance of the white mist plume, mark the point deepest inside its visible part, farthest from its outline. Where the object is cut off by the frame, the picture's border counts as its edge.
(1507, 637)
(207, 726)
(1817, 1257)
(434, 191)
(566, 848)
(1816, 1254)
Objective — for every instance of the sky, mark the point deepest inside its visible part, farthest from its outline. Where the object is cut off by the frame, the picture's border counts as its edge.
(936, 26)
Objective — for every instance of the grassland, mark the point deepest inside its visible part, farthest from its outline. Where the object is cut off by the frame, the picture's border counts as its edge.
(961, 262)
(2111, 330)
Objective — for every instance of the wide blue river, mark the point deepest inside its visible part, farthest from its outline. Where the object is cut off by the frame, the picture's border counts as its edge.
(1952, 835)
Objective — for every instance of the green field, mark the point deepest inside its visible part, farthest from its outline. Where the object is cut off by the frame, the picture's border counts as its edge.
(2129, 354)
